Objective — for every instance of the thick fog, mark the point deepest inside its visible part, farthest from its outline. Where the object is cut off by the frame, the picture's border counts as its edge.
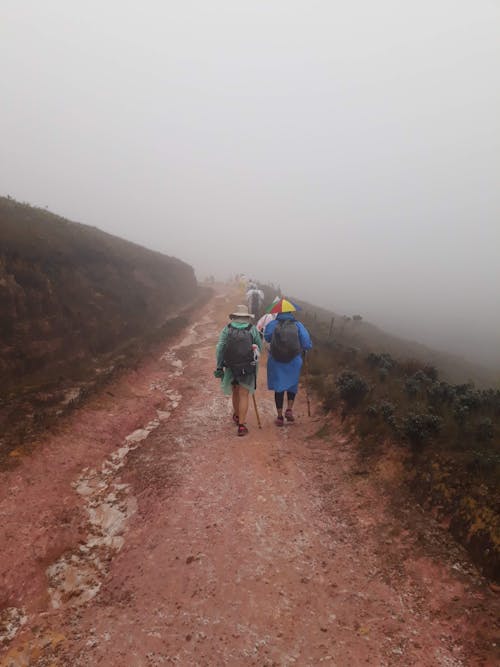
(348, 151)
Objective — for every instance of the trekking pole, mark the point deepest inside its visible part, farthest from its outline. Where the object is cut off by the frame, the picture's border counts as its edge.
(256, 411)
(256, 354)
(307, 385)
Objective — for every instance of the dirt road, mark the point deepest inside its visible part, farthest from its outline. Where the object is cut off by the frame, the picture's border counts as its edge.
(145, 533)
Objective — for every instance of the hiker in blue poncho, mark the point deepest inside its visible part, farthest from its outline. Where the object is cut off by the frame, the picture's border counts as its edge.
(237, 355)
(289, 339)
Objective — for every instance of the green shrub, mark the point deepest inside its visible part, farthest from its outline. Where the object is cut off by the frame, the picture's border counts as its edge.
(417, 428)
(382, 360)
(431, 372)
(352, 388)
(386, 410)
(484, 429)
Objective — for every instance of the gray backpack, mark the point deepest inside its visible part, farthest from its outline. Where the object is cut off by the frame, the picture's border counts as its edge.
(285, 343)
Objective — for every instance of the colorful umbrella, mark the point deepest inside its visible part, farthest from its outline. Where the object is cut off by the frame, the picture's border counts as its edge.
(283, 306)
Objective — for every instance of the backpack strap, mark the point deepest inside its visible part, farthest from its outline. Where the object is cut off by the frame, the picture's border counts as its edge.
(247, 328)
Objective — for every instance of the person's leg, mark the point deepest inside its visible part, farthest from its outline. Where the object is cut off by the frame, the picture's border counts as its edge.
(290, 397)
(278, 399)
(236, 401)
(242, 411)
(243, 405)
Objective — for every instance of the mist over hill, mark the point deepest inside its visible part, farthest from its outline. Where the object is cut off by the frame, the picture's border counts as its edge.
(464, 324)
(71, 294)
(356, 332)
(369, 337)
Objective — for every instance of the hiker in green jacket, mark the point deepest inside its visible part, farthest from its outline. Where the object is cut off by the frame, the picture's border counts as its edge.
(237, 355)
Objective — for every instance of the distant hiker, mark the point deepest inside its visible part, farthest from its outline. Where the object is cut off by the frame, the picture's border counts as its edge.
(255, 299)
(237, 355)
(242, 283)
(289, 339)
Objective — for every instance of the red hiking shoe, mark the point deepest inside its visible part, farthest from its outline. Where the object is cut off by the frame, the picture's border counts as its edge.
(289, 415)
(242, 429)
(235, 419)
(280, 421)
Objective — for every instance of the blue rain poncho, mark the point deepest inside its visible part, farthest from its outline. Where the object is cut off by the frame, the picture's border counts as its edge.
(284, 376)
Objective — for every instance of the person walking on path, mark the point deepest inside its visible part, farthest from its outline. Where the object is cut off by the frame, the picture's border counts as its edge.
(255, 299)
(237, 355)
(289, 339)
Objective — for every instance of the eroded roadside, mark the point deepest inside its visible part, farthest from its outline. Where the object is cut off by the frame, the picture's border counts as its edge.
(41, 401)
(95, 517)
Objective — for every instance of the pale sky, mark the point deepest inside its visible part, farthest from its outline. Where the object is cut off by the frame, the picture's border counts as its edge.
(347, 150)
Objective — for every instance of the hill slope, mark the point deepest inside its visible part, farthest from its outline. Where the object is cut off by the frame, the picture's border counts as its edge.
(70, 293)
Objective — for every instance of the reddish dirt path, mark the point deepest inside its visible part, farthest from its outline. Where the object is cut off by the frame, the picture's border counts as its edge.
(145, 533)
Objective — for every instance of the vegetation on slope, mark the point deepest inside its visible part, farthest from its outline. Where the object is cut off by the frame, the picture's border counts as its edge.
(448, 433)
(355, 331)
(72, 298)
(69, 291)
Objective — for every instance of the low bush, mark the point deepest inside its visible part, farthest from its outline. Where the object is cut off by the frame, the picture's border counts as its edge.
(418, 428)
(352, 388)
(446, 427)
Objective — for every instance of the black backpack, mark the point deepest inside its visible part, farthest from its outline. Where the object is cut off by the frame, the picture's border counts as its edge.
(285, 343)
(238, 352)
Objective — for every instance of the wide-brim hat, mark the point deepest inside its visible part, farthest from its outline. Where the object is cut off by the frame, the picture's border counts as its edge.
(241, 311)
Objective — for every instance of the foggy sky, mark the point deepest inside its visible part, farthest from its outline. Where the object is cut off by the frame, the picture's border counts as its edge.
(347, 150)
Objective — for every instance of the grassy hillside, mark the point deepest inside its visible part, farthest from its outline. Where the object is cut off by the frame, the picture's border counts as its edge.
(72, 296)
(76, 305)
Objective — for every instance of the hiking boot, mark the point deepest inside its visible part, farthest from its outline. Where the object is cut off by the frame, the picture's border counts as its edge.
(235, 419)
(280, 421)
(242, 429)
(289, 415)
